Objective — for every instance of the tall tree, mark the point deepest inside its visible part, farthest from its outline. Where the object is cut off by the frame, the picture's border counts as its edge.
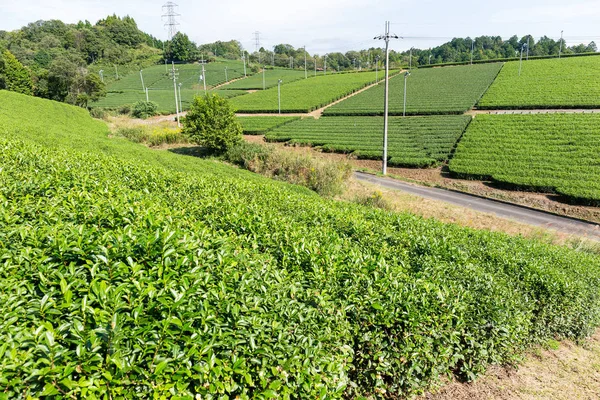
(13, 75)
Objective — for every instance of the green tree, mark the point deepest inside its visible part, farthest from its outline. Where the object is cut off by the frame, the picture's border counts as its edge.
(14, 76)
(211, 123)
(181, 48)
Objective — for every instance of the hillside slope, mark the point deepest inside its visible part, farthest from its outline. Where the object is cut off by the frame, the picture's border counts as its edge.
(135, 272)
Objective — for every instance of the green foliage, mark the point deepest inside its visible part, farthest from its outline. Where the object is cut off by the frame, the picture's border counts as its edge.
(448, 90)
(412, 141)
(375, 200)
(262, 125)
(546, 152)
(144, 109)
(181, 48)
(211, 123)
(134, 273)
(304, 95)
(152, 136)
(324, 177)
(556, 83)
(13, 75)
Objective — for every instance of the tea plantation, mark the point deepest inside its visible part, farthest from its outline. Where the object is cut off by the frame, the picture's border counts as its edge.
(449, 90)
(557, 83)
(132, 273)
(413, 141)
(547, 152)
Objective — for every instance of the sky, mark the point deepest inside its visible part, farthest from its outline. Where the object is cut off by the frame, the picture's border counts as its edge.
(325, 26)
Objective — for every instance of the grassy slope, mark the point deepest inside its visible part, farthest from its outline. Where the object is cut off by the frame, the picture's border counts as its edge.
(187, 276)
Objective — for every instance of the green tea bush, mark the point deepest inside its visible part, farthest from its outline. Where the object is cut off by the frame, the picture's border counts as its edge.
(211, 123)
(144, 109)
(132, 273)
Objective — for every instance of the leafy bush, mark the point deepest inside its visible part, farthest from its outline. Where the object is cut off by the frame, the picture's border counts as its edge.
(124, 109)
(144, 109)
(211, 122)
(324, 177)
(98, 113)
(153, 136)
(374, 199)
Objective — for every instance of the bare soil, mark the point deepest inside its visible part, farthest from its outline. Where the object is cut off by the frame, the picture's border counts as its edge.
(568, 372)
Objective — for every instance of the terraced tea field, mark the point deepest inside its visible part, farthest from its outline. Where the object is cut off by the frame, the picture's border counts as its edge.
(412, 142)
(128, 89)
(261, 125)
(547, 152)
(448, 90)
(304, 95)
(557, 83)
(164, 98)
(271, 77)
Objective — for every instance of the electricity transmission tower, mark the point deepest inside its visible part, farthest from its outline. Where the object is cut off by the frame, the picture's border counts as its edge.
(257, 40)
(387, 36)
(170, 17)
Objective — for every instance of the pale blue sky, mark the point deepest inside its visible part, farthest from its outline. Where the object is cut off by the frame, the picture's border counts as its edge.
(331, 25)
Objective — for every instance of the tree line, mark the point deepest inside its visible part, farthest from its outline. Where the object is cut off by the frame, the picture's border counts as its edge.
(74, 62)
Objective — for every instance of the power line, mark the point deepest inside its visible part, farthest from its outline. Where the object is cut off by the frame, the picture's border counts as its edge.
(170, 17)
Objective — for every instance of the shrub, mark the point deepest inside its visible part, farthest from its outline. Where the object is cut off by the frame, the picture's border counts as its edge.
(152, 136)
(98, 113)
(211, 123)
(124, 109)
(374, 199)
(144, 109)
(325, 178)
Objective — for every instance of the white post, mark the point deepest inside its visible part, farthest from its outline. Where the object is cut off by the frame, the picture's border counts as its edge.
(226, 79)
(147, 99)
(117, 71)
(305, 70)
(175, 89)
(204, 78)
(180, 102)
(142, 79)
(405, 76)
(244, 59)
(264, 82)
(279, 94)
(559, 50)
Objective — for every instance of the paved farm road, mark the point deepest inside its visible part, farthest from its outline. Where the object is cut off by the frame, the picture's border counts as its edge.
(521, 214)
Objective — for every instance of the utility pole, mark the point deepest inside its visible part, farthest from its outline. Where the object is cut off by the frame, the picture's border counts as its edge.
(180, 102)
(264, 81)
(325, 65)
(174, 75)
(226, 79)
(147, 98)
(521, 59)
(170, 17)
(204, 78)
(430, 59)
(142, 79)
(315, 65)
(561, 41)
(305, 70)
(279, 82)
(527, 48)
(410, 60)
(117, 71)
(406, 75)
(472, 49)
(101, 72)
(387, 38)
(244, 60)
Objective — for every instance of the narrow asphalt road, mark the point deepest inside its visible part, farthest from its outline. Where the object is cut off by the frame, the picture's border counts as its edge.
(521, 214)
